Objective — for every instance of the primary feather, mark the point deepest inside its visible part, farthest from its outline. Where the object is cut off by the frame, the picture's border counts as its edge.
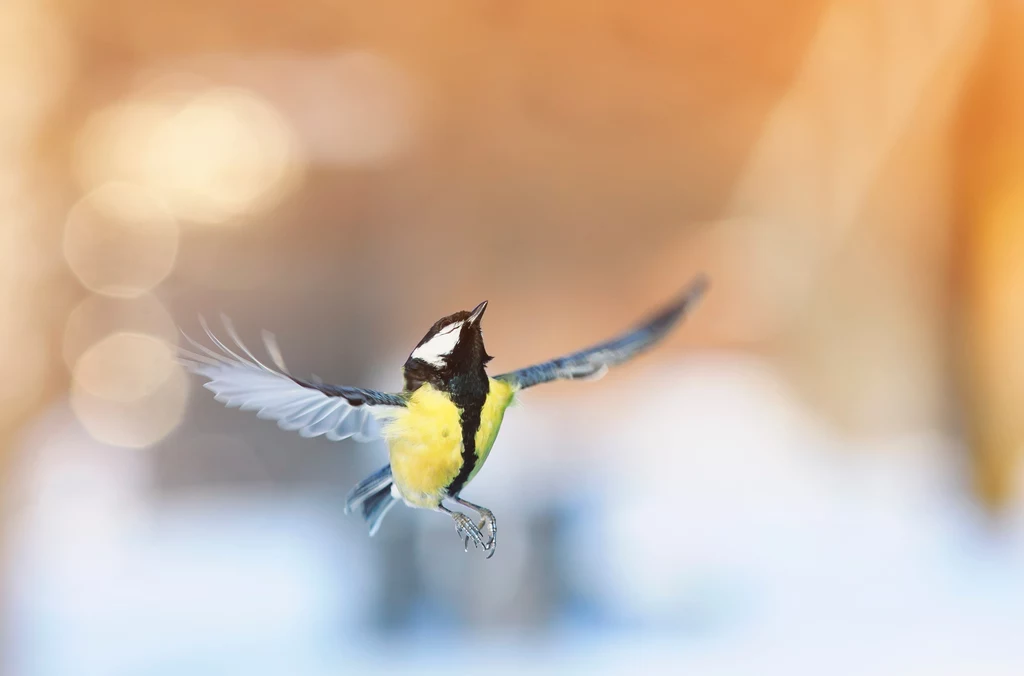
(594, 362)
(311, 409)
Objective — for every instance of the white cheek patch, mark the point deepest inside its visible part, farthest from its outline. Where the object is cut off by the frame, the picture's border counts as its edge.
(440, 346)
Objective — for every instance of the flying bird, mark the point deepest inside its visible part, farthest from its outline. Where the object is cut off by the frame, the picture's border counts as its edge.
(439, 429)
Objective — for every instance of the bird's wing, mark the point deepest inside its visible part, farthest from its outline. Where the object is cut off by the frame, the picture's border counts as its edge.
(310, 408)
(594, 362)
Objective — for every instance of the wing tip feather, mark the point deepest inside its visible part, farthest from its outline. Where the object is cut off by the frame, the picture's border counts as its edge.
(593, 363)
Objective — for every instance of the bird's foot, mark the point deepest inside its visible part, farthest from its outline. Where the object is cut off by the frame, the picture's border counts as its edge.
(488, 523)
(465, 527)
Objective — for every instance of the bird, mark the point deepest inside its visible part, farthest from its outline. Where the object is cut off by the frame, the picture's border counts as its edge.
(439, 430)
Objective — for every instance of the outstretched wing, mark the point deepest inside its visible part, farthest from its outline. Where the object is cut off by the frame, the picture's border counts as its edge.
(310, 408)
(594, 362)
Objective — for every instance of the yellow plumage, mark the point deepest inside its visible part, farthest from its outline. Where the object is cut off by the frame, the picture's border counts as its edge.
(498, 399)
(424, 427)
(425, 441)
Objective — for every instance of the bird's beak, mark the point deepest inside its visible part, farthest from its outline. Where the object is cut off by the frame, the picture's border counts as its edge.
(477, 313)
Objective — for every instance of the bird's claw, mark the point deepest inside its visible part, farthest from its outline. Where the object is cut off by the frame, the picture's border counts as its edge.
(480, 527)
(467, 530)
(465, 527)
(470, 531)
(491, 524)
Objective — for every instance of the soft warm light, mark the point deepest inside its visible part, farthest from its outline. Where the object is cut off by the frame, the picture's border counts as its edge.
(99, 316)
(120, 241)
(24, 368)
(25, 361)
(34, 66)
(127, 390)
(999, 306)
(124, 366)
(365, 112)
(133, 424)
(210, 156)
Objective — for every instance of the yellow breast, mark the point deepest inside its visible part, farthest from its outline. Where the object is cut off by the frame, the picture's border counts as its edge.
(498, 399)
(425, 441)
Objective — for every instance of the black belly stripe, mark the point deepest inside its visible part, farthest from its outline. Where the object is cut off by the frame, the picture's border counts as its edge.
(470, 424)
(469, 395)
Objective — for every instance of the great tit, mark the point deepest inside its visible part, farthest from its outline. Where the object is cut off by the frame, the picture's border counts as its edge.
(439, 429)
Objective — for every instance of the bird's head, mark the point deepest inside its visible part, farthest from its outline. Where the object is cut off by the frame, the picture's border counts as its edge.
(454, 345)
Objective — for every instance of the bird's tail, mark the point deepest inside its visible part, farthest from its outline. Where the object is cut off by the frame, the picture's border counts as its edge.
(372, 496)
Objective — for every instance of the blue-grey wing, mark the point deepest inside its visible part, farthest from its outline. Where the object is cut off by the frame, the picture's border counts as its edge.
(310, 408)
(595, 361)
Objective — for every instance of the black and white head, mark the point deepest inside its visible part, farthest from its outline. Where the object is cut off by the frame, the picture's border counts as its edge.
(454, 346)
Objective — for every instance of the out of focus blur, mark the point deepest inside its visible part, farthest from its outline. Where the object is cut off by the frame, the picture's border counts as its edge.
(818, 474)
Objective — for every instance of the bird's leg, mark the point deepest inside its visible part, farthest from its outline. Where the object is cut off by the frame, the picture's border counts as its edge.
(464, 526)
(487, 521)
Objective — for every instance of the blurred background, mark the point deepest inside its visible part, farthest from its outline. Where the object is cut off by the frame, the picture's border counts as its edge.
(818, 474)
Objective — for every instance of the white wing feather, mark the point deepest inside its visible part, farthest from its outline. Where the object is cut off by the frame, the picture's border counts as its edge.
(310, 409)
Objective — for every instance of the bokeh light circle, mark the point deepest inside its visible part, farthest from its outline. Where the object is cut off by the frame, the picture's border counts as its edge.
(119, 240)
(211, 155)
(127, 390)
(124, 366)
(96, 317)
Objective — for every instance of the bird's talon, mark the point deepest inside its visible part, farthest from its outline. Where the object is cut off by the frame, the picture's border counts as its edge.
(465, 527)
(491, 524)
(468, 530)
